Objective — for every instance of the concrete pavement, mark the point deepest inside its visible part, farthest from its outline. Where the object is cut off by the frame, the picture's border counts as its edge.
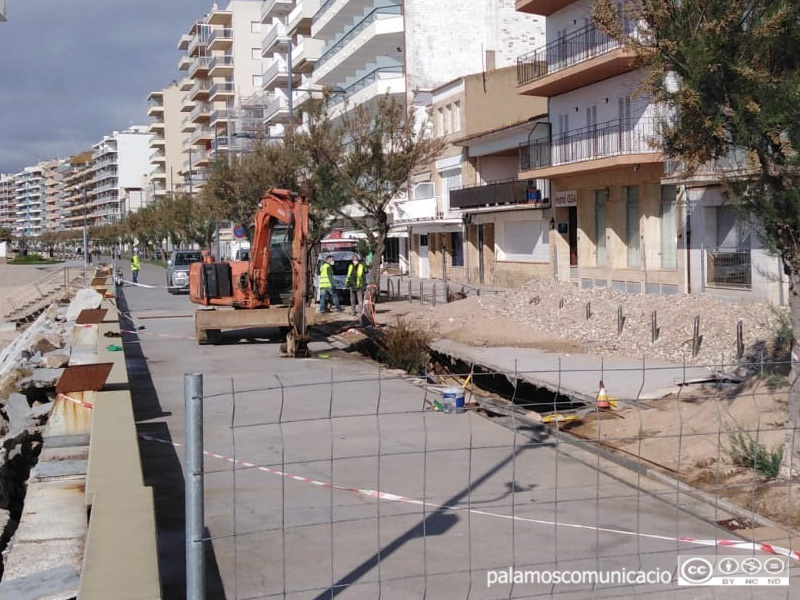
(338, 419)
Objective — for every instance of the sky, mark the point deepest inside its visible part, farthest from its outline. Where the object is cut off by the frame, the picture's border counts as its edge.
(72, 71)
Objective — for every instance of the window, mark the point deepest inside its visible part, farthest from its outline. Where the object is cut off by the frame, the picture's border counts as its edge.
(457, 116)
(440, 121)
(423, 190)
(632, 224)
(526, 241)
(450, 180)
(257, 80)
(448, 118)
(600, 199)
(255, 26)
(457, 249)
(255, 53)
(732, 232)
(669, 227)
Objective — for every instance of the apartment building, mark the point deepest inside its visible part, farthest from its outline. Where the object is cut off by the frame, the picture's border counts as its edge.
(223, 65)
(467, 215)
(120, 167)
(76, 181)
(29, 200)
(53, 185)
(166, 142)
(621, 220)
(8, 207)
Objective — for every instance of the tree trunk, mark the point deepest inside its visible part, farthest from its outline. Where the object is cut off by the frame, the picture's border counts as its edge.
(375, 269)
(790, 466)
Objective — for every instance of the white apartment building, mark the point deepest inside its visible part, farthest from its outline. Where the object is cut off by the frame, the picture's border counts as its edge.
(29, 200)
(120, 165)
(622, 220)
(8, 207)
(224, 71)
(166, 142)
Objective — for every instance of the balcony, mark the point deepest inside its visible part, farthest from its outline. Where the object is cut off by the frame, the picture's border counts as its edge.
(378, 33)
(610, 145)
(157, 141)
(376, 84)
(419, 209)
(201, 135)
(221, 66)
(185, 84)
(184, 41)
(222, 115)
(199, 90)
(306, 54)
(300, 19)
(541, 7)
(274, 41)
(199, 67)
(155, 108)
(187, 104)
(580, 59)
(275, 8)
(157, 126)
(187, 126)
(158, 157)
(184, 62)
(201, 113)
(277, 111)
(277, 76)
(220, 17)
(222, 91)
(503, 193)
(220, 39)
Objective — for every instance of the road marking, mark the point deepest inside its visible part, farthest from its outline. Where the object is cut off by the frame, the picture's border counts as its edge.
(739, 544)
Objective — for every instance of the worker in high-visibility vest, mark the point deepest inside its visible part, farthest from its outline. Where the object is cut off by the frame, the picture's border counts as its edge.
(357, 282)
(326, 286)
(135, 266)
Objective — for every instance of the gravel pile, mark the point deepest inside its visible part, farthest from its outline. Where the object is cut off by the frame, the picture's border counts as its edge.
(561, 309)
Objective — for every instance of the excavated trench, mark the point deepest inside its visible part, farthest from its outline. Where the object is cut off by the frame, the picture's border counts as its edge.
(520, 392)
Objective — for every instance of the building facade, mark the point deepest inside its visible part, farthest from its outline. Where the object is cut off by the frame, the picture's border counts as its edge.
(166, 142)
(622, 221)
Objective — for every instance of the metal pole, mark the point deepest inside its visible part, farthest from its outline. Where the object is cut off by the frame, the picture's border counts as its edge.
(193, 427)
(289, 84)
(85, 234)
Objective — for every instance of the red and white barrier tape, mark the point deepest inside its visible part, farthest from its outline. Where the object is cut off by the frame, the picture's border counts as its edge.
(738, 544)
(77, 401)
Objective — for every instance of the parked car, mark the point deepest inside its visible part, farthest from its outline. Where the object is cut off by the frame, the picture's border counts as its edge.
(341, 261)
(178, 269)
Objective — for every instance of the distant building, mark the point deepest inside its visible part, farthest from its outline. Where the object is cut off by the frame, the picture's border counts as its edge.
(167, 141)
(120, 161)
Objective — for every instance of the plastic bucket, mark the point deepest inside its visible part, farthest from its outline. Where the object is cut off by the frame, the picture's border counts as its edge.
(453, 397)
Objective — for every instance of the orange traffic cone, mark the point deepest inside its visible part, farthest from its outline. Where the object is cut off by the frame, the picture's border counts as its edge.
(602, 397)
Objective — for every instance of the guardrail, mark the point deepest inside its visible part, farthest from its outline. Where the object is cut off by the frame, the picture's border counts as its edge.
(39, 291)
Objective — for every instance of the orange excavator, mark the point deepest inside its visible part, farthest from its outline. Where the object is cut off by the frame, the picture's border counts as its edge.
(243, 294)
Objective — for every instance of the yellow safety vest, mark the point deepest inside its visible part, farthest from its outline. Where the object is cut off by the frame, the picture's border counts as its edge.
(359, 282)
(325, 277)
(135, 263)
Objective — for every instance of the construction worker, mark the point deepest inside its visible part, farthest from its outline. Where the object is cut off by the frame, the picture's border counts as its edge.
(357, 282)
(135, 266)
(326, 286)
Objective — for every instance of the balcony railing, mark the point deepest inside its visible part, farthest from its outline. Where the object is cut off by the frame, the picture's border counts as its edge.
(227, 87)
(579, 46)
(225, 33)
(366, 81)
(613, 138)
(220, 61)
(729, 268)
(378, 13)
(499, 194)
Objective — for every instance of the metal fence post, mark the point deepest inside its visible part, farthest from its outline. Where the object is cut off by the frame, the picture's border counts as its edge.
(193, 428)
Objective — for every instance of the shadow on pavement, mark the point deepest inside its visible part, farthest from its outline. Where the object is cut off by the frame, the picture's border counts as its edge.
(162, 471)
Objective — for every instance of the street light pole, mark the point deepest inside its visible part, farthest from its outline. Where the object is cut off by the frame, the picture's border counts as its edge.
(85, 231)
(289, 85)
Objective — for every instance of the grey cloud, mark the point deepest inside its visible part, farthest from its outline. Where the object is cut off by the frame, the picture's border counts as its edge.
(71, 72)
